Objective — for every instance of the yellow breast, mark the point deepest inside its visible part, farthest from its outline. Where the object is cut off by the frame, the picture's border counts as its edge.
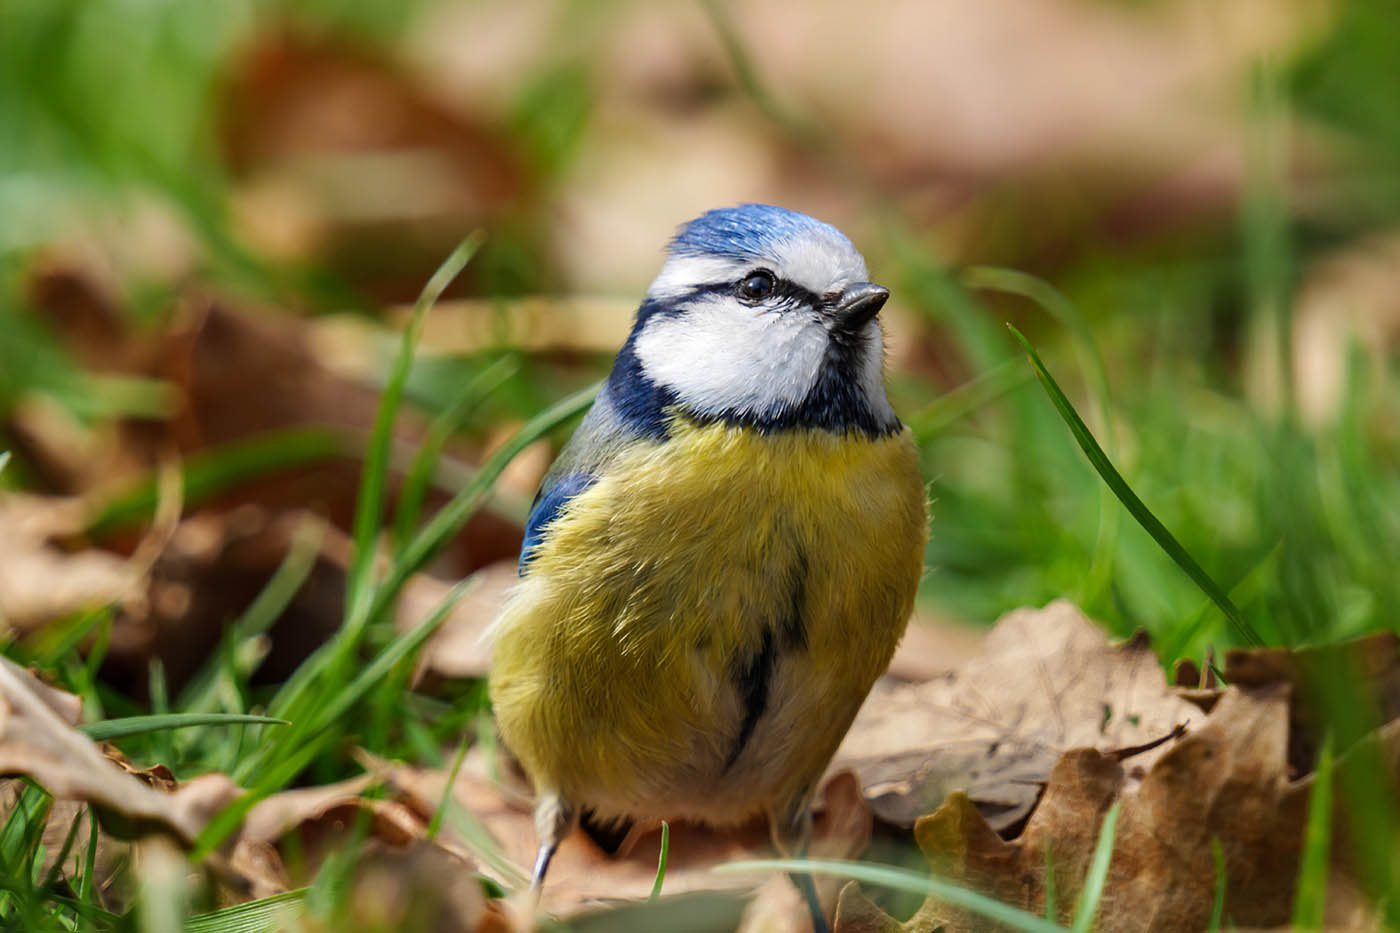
(620, 661)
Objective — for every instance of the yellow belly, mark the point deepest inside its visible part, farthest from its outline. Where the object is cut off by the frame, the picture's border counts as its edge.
(614, 678)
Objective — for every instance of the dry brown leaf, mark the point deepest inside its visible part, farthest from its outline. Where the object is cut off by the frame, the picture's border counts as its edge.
(1361, 675)
(39, 582)
(418, 886)
(1047, 680)
(273, 817)
(36, 742)
(931, 647)
(1225, 781)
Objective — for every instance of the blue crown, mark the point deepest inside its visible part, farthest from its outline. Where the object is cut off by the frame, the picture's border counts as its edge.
(747, 232)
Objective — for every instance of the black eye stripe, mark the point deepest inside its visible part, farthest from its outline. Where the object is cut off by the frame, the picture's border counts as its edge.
(782, 288)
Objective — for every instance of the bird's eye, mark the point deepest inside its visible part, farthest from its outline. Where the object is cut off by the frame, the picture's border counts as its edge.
(757, 287)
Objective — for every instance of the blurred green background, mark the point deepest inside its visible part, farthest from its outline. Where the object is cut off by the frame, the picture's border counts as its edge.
(1213, 189)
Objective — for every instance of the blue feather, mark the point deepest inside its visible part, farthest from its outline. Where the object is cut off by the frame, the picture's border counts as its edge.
(548, 505)
(747, 232)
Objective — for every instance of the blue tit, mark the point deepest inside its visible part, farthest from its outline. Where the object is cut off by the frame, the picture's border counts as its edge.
(723, 558)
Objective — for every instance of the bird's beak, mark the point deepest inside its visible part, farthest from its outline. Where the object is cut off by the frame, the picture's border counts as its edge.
(859, 304)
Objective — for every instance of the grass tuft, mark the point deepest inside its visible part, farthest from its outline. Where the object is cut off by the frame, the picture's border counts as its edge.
(1135, 506)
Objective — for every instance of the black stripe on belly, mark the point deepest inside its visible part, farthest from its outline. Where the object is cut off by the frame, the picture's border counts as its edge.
(752, 681)
(753, 676)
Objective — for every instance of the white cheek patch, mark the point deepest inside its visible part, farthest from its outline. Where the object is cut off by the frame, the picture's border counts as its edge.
(721, 357)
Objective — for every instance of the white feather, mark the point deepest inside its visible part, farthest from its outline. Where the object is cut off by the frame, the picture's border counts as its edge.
(723, 356)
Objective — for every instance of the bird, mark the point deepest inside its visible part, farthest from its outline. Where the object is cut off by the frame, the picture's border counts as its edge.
(721, 561)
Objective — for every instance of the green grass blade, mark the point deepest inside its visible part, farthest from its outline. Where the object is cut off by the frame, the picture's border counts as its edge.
(661, 860)
(1089, 897)
(435, 824)
(1310, 897)
(1130, 500)
(454, 515)
(424, 546)
(369, 505)
(1222, 883)
(199, 696)
(110, 729)
(266, 915)
(415, 484)
(326, 711)
(1053, 302)
(56, 869)
(207, 472)
(962, 400)
(4, 460)
(400, 648)
(87, 888)
(900, 879)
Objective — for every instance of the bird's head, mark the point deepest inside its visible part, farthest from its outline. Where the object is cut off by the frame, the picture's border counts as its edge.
(761, 317)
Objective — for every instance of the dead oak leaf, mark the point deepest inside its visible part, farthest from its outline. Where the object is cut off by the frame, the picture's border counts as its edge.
(1047, 680)
(1226, 780)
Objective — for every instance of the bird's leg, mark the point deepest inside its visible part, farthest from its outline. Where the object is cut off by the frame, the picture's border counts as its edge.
(554, 820)
(792, 829)
(808, 887)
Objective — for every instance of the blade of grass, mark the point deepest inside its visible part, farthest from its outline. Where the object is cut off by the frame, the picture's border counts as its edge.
(163, 902)
(161, 748)
(199, 696)
(1130, 500)
(369, 505)
(320, 720)
(435, 824)
(110, 729)
(210, 471)
(1310, 897)
(4, 460)
(56, 869)
(900, 879)
(265, 915)
(661, 860)
(1217, 906)
(426, 544)
(483, 845)
(1053, 302)
(958, 402)
(415, 484)
(87, 890)
(1249, 586)
(1089, 897)
(454, 515)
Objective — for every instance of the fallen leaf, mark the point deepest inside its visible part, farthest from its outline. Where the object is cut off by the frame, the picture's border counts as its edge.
(419, 887)
(39, 581)
(36, 742)
(931, 647)
(1225, 781)
(1047, 680)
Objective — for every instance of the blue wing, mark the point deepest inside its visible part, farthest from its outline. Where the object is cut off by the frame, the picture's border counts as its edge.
(548, 505)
